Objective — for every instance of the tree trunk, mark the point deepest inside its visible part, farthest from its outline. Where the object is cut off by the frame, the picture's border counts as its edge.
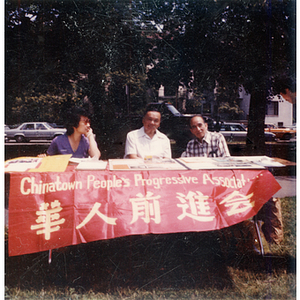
(255, 136)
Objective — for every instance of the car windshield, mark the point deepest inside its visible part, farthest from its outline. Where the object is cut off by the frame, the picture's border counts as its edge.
(270, 126)
(232, 127)
(238, 128)
(48, 125)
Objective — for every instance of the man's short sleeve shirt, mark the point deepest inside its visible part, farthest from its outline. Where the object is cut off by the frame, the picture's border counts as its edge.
(139, 143)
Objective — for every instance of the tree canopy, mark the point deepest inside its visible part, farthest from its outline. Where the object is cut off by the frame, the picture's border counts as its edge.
(113, 55)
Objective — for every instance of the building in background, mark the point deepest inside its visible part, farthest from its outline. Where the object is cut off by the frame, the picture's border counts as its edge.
(279, 111)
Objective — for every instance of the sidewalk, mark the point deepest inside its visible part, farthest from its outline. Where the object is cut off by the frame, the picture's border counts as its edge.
(288, 186)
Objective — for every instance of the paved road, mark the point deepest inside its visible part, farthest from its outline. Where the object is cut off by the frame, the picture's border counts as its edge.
(32, 142)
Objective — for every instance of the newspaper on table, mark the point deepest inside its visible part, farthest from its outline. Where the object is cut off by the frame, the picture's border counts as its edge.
(144, 164)
(263, 160)
(54, 163)
(230, 162)
(22, 164)
(91, 164)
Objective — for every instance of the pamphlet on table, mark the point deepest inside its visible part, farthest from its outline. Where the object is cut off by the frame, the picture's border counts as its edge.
(144, 164)
(91, 164)
(54, 163)
(231, 162)
(264, 161)
(22, 164)
(59, 163)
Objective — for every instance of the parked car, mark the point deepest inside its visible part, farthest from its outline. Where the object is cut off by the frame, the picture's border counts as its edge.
(234, 132)
(54, 125)
(5, 135)
(282, 133)
(33, 131)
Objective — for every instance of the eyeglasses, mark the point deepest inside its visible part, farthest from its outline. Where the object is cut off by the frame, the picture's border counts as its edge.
(85, 120)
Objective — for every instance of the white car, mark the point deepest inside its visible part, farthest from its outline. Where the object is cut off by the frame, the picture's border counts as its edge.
(237, 132)
(33, 131)
(5, 135)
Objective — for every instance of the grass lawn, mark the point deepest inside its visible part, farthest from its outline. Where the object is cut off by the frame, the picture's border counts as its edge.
(169, 266)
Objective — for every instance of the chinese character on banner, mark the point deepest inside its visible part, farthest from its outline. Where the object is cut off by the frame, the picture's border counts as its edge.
(48, 219)
(95, 211)
(195, 205)
(147, 207)
(238, 203)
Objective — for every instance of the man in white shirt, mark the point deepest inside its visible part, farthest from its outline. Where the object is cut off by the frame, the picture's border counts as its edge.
(148, 141)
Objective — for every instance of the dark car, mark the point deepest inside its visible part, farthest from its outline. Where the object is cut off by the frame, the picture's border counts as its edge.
(33, 131)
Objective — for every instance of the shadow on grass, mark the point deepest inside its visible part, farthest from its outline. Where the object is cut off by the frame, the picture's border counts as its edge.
(179, 260)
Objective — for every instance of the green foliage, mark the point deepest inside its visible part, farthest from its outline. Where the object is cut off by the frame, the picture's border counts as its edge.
(230, 43)
(37, 107)
(52, 45)
(63, 42)
(229, 111)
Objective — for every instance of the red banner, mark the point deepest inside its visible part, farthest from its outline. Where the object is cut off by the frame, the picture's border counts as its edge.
(53, 210)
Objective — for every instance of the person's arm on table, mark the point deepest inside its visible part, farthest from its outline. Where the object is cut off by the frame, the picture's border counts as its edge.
(130, 149)
(167, 149)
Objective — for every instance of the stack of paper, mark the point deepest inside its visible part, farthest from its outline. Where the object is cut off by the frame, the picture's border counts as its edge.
(22, 164)
(92, 165)
(197, 163)
(203, 163)
(140, 164)
(54, 163)
(264, 161)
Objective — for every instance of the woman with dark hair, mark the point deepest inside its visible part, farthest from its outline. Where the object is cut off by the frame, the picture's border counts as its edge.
(78, 140)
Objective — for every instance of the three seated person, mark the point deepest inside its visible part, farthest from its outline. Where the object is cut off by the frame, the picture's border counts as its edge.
(145, 142)
(148, 141)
